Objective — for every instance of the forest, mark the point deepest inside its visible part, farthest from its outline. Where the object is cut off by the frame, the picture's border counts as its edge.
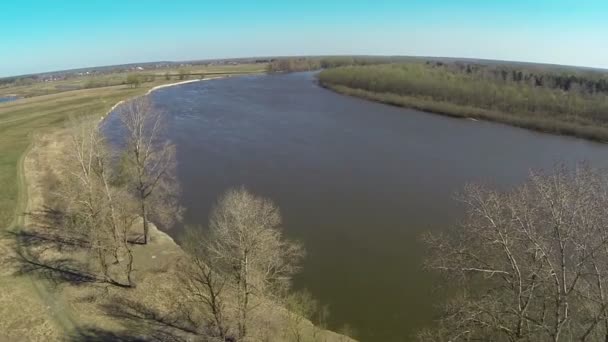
(552, 99)
(295, 64)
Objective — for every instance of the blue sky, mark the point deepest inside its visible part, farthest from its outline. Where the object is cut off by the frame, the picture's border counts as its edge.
(38, 36)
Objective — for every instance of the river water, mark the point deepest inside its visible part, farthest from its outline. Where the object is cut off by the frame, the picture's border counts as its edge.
(8, 98)
(357, 182)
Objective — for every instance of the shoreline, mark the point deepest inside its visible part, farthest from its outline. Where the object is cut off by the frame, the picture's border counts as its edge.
(155, 88)
(587, 132)
(160, 233)
(157, 263)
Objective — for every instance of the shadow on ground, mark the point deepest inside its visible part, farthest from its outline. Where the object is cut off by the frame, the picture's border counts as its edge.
(59, 256)
(99, 335)
(46, 251)
(175, 325)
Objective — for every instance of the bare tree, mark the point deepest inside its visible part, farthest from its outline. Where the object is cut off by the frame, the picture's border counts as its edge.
(133, 80)
(302, 306)
(203, 284)
(150, 164)
(246, 245)
(97, 210)
(532, 262)
(183, 74)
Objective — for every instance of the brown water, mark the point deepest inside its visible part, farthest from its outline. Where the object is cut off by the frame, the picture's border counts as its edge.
(357, 182)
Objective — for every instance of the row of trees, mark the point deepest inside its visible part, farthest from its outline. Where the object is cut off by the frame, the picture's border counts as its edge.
(239, 263)
(134, 80)
(530, 264)
(443, 85)
(105, 195)
(563, 78)
(294, 64)
(97, 212)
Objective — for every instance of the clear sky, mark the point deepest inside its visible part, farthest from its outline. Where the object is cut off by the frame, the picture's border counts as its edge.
(38, 36)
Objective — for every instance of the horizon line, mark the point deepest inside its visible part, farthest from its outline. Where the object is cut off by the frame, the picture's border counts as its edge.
(593, 68)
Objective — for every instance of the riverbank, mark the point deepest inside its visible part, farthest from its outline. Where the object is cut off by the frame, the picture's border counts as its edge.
(118, 78)
(545, 125)
(571, 102)
(78, 306)
(28, 311)
(154, 89)
(20, 120)
(44, 280)
(25, 304)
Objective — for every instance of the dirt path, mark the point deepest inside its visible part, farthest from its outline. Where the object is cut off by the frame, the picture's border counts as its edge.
(27, 310)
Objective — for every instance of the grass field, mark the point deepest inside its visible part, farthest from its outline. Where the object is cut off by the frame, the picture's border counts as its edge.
(98, 81)
(19, 120)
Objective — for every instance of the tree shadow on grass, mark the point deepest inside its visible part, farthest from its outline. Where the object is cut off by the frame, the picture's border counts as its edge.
(57, 271)
(173, 326)
(48, 229)
(33, 245)
(100, 335)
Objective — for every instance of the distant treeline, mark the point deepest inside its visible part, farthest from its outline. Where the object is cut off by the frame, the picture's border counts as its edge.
(557, 100)
(589, 82)
(294, 64)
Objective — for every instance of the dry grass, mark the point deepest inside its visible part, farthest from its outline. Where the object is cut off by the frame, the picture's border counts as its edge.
(20, 119)
(24, 301)
(46, 263)
(50, 291)
(119, 78)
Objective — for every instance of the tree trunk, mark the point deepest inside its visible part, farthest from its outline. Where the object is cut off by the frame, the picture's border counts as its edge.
(244, 299)
(145, 220)
(129, 265)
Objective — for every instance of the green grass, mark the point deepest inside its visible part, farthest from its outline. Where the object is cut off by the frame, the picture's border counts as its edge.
(19, 120)
(118, 78)
(227, 68)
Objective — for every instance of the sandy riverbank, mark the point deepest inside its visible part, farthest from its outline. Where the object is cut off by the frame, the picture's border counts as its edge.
(160, 87)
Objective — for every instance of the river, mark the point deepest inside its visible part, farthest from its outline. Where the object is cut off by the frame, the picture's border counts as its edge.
(8, 98)
(357, 182)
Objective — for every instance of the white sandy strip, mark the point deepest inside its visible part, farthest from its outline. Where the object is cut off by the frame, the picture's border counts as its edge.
(159, 87)
(170, 85)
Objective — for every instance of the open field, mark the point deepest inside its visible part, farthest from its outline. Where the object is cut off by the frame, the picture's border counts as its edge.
(19, 120)
(119, 78)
